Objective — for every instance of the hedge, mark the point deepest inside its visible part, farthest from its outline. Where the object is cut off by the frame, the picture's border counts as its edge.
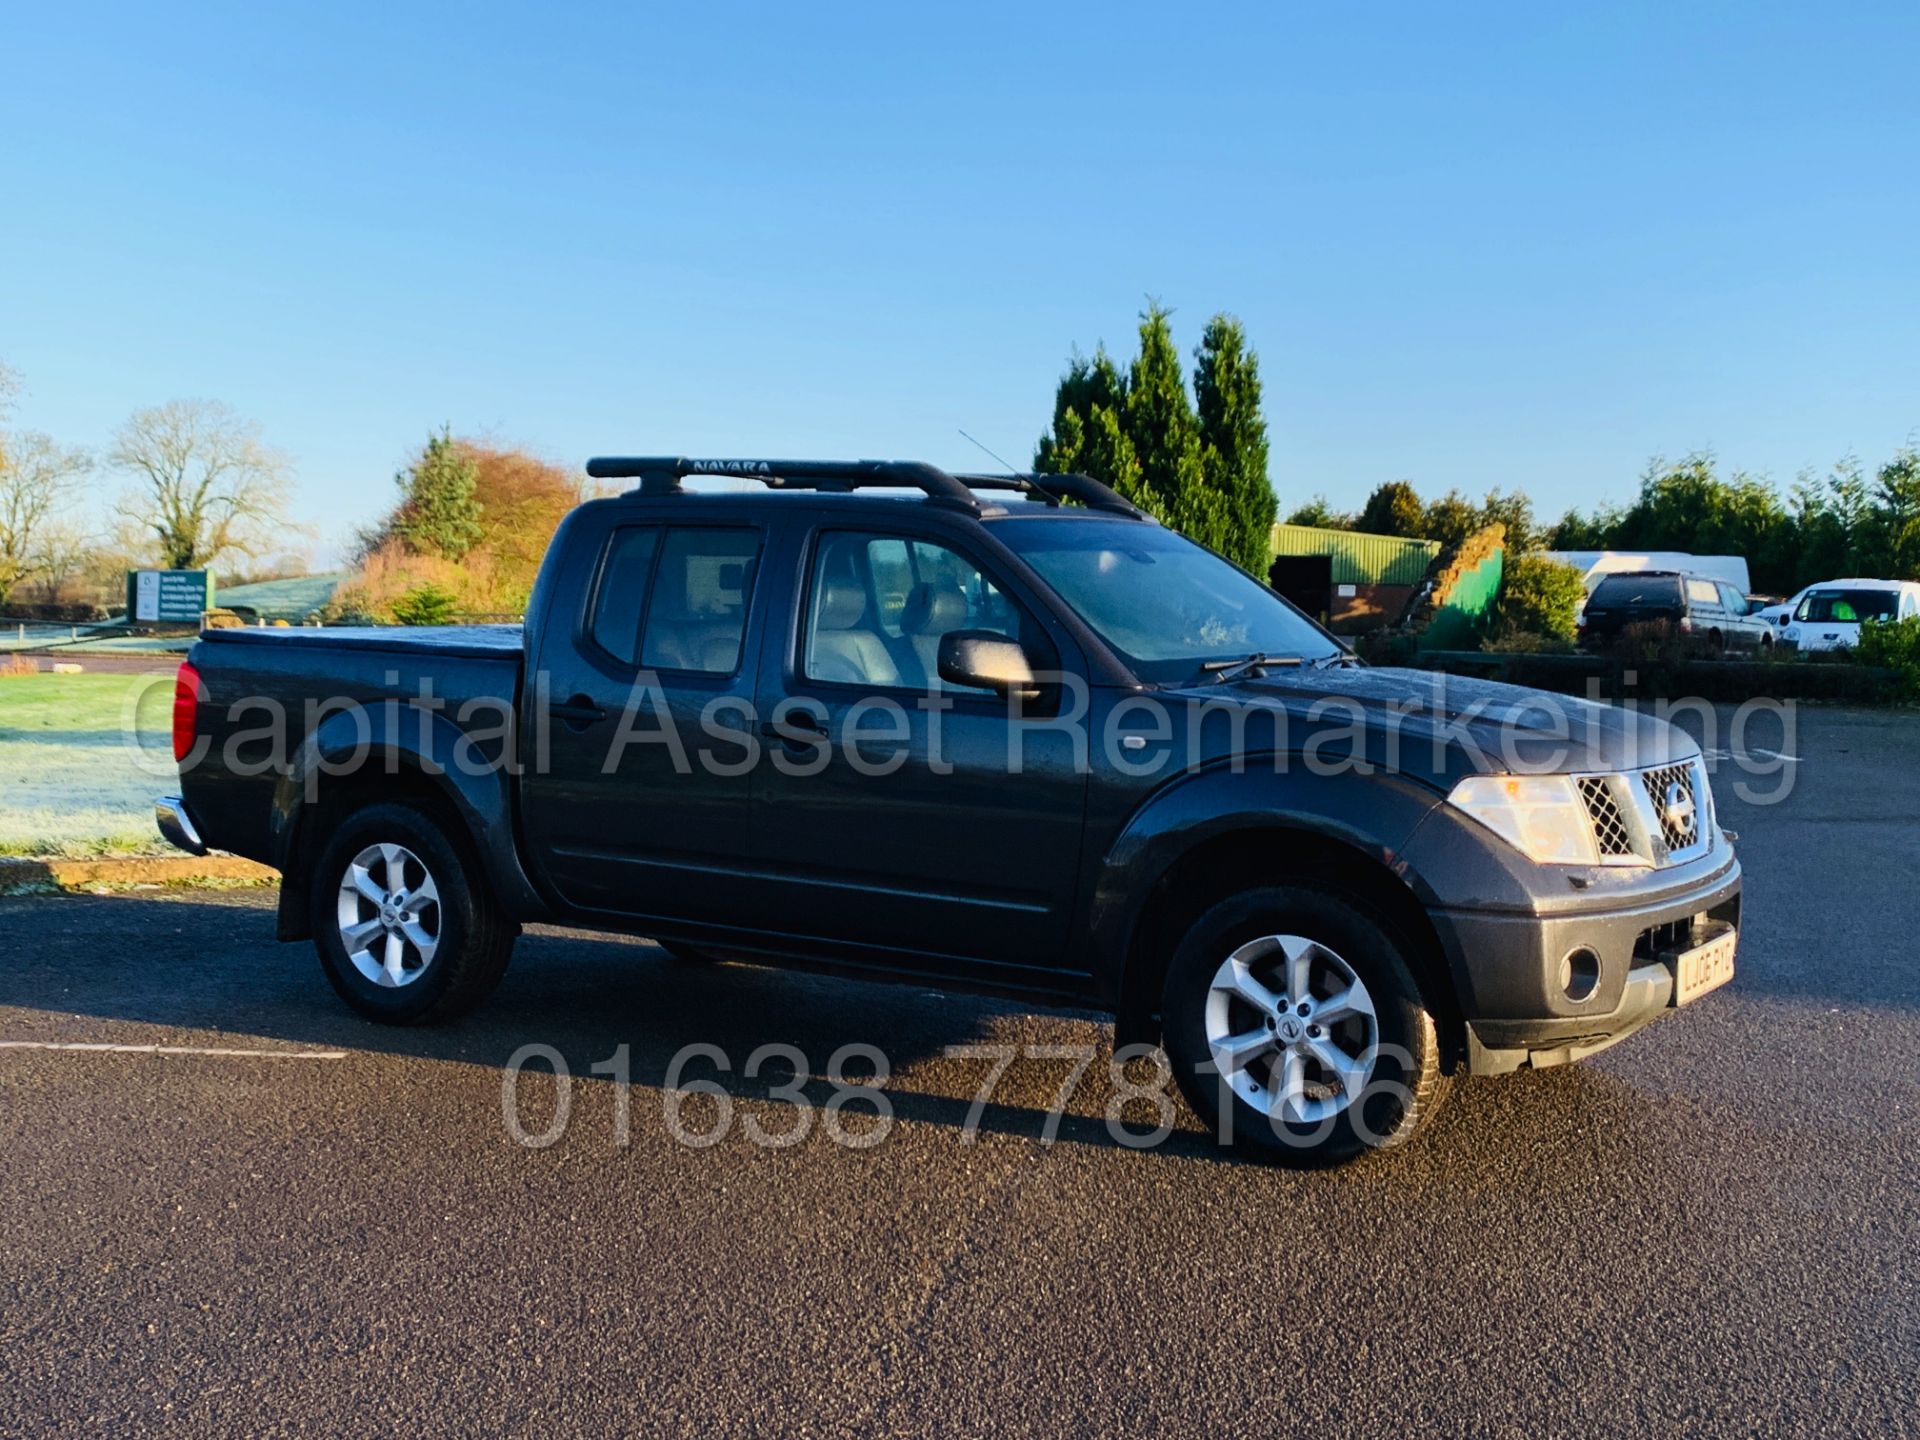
(1611, 678)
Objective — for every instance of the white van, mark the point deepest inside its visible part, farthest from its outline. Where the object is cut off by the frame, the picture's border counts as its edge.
(1780, 615)
(1829, 616)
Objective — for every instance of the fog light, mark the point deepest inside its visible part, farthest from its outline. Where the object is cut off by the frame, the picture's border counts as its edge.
(1580, 974)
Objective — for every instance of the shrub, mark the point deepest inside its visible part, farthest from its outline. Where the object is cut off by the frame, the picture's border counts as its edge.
(1538, 596)
(388, 573)
(17, 665)
(1385, 647)
(521, 501)
(1528, 642)
(1896, 647)
(439, 515)
(427, 604)
(1657, 643)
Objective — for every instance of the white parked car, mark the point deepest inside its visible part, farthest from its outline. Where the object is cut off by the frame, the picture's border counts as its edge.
(1828, 616)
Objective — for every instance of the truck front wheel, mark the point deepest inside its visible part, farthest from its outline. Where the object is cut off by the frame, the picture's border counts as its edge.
(1296, 1030)
(406, 930)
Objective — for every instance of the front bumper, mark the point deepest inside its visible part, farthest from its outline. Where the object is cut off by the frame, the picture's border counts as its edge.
(1516, 1001)
(170, 813)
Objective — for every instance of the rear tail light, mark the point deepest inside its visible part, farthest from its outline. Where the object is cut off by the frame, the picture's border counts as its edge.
(186, 710)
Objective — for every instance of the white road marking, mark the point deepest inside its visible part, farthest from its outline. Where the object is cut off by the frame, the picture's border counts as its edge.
(107, 1048)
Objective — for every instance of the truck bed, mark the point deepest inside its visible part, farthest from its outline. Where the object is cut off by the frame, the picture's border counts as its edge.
(479, 642)
(413, 685)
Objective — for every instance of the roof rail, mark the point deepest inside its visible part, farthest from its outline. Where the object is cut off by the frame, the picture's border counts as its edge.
(662, 474)
(1053, 488)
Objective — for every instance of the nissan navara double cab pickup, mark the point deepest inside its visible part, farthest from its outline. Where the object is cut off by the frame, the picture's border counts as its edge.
(993, 733)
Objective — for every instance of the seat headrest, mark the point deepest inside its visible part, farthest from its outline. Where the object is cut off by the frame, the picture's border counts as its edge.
(840, 604)
(933, 608)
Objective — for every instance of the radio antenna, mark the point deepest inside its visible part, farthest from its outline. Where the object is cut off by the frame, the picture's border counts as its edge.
(1002, 464)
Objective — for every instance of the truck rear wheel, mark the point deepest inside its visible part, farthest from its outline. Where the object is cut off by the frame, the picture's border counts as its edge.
(406, 930)
(1296, 1030)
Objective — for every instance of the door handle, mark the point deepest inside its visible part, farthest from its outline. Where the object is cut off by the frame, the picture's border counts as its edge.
(578, 712)
(795, 730)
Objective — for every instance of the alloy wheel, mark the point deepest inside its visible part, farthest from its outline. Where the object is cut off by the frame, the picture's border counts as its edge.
(1292, 1029)
(389, 915)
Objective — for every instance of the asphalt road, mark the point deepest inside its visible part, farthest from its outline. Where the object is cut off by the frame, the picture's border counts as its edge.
(1710, 1229)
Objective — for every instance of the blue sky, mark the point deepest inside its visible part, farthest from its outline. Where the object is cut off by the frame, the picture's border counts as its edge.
(1473, 246)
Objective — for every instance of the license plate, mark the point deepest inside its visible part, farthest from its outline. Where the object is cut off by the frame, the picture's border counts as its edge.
(1703, 968)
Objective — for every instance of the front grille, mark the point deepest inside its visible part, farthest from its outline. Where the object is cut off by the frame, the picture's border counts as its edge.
(1648, 817)
(1676, 804)
(1610, 830)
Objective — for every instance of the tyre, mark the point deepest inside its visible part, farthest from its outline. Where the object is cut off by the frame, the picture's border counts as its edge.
(1295, 1028)
(406, 930)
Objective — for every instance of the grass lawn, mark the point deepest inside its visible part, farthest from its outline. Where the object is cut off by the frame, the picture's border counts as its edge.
(81, 759)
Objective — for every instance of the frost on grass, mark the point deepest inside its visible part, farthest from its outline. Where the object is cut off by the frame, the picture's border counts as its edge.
(70, 784)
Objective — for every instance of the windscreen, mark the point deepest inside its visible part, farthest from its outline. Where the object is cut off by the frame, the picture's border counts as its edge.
(1165, 604)
(1848, 607)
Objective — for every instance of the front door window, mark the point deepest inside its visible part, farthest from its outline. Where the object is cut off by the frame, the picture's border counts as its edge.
(879, 606)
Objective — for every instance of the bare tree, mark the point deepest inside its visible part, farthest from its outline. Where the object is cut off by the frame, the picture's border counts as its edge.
(64, 555)
(9, 397)
(36, 476)
(204, 484)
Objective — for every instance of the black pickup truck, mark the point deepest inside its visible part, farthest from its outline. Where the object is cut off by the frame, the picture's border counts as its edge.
(1001, 733)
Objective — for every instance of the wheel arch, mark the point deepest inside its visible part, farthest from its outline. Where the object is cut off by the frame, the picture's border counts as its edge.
(343, 767)
(1230, 861)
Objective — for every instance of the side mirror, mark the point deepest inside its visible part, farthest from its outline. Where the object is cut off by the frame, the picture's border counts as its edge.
(986, 660)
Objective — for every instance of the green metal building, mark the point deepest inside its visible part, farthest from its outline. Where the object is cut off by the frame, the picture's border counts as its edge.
(1360, 559)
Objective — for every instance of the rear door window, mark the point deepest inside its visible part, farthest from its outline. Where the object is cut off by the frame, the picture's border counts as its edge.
(1703, 592)
(621, 594)
(696, 616)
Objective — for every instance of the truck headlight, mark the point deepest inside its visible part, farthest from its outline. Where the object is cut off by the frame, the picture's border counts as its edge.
(1541, 816)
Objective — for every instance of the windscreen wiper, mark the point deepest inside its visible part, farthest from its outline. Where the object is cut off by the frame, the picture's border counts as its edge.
(1224, 670)
(1337, 658)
